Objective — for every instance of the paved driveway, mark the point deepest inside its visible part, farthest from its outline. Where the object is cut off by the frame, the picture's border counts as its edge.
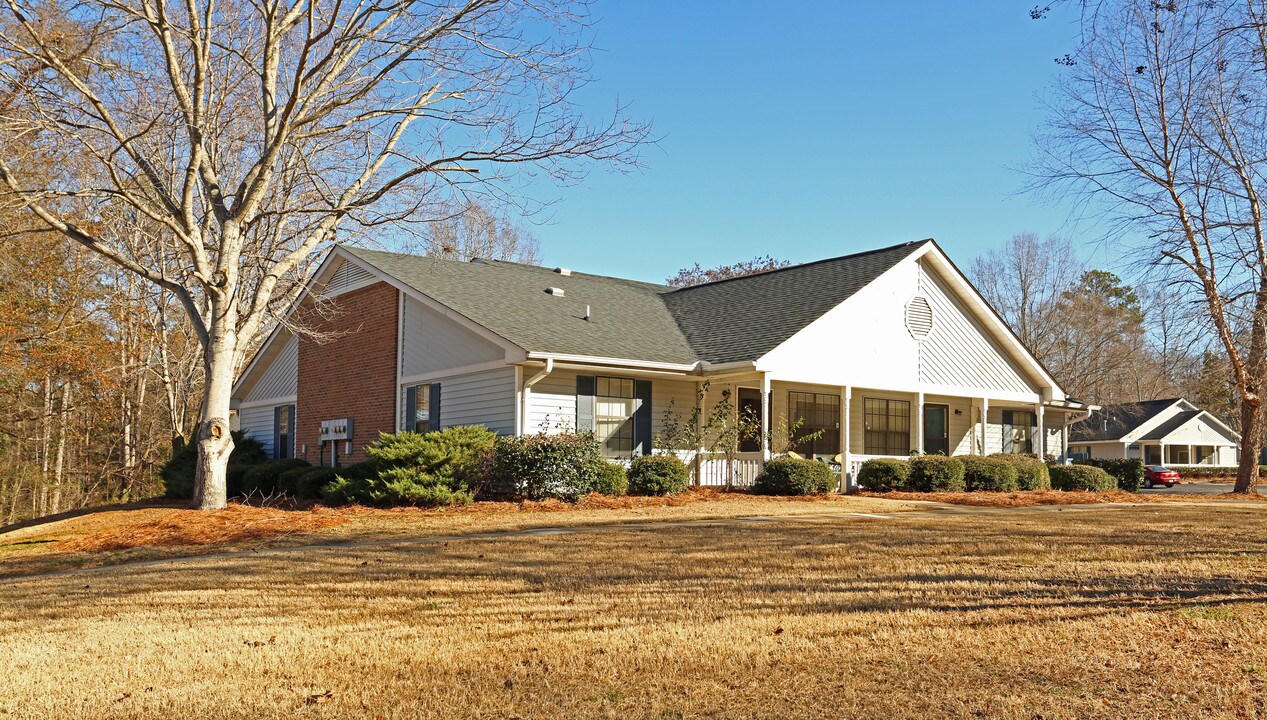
(1198, 488)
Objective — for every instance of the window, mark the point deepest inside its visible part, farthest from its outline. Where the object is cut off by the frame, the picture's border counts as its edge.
(614, 407)
(1022, 431)
(819, 414)
(888, 426)
(283, 432)
(422, 407)
(1205, 455)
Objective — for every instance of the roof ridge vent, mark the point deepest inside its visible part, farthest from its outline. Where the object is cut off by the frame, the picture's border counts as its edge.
(557, 292)
(565, 272)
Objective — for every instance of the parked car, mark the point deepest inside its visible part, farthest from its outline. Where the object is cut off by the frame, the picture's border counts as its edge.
(1155, 475)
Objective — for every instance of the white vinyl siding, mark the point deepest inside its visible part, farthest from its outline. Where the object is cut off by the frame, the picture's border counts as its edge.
(431, 342)
(958, 351)
(257, 423)
(553, 403)
(279, 377)
(483, 398)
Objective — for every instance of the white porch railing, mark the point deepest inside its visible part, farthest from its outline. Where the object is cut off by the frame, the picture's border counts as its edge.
(740, 470)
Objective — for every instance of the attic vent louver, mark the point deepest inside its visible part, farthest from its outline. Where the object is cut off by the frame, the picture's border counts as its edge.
(557, 292)
(919, 317)
(565, 272)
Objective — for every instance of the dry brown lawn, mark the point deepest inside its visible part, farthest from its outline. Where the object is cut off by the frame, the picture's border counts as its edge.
(167, 529)
(1034, 498)
(1111, 612)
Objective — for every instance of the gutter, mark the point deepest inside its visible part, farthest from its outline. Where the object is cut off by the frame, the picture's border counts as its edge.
(527, 393)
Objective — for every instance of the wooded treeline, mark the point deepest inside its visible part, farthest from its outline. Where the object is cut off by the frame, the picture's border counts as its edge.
(1105, 340)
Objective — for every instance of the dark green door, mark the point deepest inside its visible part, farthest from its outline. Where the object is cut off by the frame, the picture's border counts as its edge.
(936, 430)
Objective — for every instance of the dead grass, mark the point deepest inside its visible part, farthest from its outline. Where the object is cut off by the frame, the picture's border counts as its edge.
(1033, 498)
(1114, 612)
(167, 530)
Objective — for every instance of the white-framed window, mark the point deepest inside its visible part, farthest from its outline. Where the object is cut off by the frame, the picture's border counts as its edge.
(614, 406)
(422, 407)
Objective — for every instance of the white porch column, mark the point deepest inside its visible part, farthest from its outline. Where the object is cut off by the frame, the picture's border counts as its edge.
(985, 425)
(1162, 446)
(1192, 457)
(1041, 443)
(919, 424)
(846, 394)
(1064, 441)
(766, 425)
(701, 401)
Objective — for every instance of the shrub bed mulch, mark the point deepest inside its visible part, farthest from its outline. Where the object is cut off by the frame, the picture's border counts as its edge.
(158, 527)
(1032, 498)
(171, 527)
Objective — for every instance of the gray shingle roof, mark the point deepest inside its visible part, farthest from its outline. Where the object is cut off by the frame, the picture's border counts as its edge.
(1115, 421)
(628, 318)
(729, 320)
(1170, 425)
(746, 317)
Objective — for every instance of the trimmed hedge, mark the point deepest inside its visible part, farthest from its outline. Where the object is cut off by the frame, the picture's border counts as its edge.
(563, 466)
(989, 474)
(793, 476)
(658, 475)
(1081, 477)
(179, 471)
(937, 473)
(611, 480)
(263, 479)
(884, 474)
(1031, 473)
(1200, 472)
(1128, 472)
(305, 483)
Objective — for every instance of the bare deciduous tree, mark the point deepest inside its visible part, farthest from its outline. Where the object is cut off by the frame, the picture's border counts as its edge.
(471, 230)
(1159, 121)
(1024, 280)
(243, 138)
(698, 275)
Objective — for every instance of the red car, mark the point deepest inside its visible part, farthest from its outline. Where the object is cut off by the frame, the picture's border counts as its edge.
(1155, 475)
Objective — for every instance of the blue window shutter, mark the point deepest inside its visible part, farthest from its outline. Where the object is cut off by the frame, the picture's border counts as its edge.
(642, 417)
(1007, 431)
(585, 403)
(290, 433)
(435, 406)
(277, 433)
(411, 406)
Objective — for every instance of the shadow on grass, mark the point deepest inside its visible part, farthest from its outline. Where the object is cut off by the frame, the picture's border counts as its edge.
(972, 571)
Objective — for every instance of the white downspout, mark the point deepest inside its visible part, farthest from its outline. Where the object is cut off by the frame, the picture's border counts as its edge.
(527, 394)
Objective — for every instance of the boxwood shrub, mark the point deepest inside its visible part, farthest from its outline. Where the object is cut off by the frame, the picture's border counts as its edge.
(658, 475)
(536, 467)
(263, 479)
(305, 483)
(1129, 472)
(611, 480)
(1031, 473)
(989, 474)
(793, 476)
(1081, 477)
(884, 474)
(937, 473)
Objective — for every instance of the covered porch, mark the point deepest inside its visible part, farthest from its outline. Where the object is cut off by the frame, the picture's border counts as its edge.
(847, 425)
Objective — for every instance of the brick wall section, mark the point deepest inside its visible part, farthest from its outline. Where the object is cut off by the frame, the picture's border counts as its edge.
(352, 375)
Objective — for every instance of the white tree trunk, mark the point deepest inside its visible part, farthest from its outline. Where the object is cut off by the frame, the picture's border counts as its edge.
(214, 441)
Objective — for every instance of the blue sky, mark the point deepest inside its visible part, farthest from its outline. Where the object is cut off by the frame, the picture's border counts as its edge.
(812, 129)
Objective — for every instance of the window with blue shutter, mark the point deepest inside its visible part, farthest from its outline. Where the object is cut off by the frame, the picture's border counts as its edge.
(422, 407)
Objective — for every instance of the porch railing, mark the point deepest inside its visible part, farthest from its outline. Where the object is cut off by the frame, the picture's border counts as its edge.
(739, 470)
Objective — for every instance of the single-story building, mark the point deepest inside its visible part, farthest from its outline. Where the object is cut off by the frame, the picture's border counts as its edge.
(1159, 432)
(879, 354)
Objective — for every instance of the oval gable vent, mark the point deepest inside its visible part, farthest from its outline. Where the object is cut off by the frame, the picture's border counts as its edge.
(919, 317)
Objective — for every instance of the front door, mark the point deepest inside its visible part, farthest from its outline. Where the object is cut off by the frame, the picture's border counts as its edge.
(936, 430)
